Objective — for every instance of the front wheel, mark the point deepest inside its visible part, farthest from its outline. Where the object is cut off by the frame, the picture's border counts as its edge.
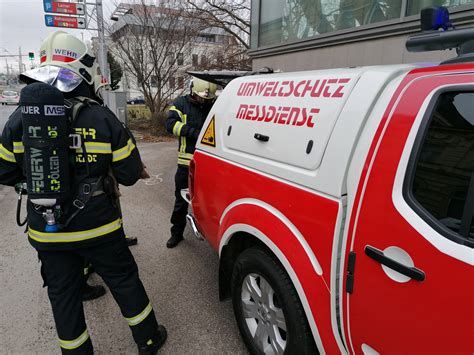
(267, 308)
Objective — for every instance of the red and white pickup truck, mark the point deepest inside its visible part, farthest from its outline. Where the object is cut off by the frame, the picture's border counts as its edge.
(341, 204)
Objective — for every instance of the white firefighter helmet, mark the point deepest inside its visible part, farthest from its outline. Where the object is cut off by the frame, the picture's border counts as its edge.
(65, 61)
(203, 89)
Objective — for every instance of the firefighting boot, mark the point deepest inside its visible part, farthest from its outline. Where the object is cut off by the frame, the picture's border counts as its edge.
(174, 241)
(131, 240)
(92, 292)
(155, 343)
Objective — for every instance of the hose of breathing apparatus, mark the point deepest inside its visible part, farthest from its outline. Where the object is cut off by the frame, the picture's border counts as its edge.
(21, 190)
(110, 187)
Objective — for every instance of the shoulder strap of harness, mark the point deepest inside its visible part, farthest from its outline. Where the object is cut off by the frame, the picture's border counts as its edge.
(74, 106)
(82, 198)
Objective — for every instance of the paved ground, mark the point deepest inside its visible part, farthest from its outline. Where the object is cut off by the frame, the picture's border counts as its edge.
(182, 283)
(5, 111)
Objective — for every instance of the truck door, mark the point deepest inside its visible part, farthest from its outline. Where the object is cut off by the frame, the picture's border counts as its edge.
(410, 242)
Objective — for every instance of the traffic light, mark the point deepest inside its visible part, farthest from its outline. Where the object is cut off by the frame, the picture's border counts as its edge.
(31, 55)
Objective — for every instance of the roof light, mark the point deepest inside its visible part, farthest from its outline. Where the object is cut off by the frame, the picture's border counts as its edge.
(435, 18)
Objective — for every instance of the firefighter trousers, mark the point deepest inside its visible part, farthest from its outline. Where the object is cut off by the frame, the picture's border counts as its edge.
(62, 273)
(180, 210)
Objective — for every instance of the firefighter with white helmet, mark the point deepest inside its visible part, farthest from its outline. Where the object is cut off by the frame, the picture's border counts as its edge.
(186, 117)
(66, 62)
(72, 208)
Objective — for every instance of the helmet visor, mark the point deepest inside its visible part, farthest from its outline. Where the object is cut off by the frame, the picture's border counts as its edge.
(64, 80)
(206, 94)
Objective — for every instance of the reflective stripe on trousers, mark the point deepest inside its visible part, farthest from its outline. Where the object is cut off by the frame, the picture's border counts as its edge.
(75, 343)
(184, 158)
(140, 317)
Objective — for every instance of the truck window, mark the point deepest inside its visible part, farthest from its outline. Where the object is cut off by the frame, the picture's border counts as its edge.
(441, 178)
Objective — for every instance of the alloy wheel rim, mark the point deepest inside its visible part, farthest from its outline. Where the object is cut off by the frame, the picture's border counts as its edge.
(263, 314)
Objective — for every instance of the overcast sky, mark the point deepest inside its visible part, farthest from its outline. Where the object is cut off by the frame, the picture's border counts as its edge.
(22, 24)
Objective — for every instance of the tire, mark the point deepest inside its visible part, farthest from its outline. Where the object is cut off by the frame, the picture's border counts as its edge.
(267, 308)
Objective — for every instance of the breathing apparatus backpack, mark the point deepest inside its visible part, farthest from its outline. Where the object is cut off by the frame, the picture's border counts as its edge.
(48, 141)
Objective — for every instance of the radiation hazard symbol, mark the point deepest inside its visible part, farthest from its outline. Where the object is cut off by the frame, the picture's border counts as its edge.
(209, 137)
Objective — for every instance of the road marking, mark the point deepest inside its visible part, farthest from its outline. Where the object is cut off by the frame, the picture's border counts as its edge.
(154, 180)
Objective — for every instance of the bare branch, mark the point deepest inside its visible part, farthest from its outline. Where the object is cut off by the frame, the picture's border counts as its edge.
(231, 16)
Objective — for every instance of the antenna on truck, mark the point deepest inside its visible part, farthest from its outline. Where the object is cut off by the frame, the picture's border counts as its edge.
(439, 34)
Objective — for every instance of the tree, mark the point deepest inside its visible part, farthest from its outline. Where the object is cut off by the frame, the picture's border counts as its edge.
(152, 43)
(232, 16)
(116, 72)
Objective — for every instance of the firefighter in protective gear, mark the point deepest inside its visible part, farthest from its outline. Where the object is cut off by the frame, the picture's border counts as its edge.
(186, 117)
(96, 232)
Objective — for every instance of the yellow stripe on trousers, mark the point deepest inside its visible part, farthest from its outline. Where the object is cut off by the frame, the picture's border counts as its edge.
(140, 317)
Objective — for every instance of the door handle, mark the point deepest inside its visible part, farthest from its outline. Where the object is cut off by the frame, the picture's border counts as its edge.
(261, 137)
(378, 255)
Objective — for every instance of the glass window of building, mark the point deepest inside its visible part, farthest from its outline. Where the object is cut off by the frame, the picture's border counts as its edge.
(284, 21)
(414, 6)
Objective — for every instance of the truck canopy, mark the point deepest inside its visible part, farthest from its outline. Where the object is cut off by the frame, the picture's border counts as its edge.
(292, 121)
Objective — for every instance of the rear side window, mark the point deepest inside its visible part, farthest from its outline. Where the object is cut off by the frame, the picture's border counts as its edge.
(440, 184)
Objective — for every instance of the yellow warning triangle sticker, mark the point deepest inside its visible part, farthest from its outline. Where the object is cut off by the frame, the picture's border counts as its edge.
(209, 137)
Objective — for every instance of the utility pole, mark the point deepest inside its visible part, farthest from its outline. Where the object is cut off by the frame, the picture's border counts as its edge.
(8, 71)
(20, 62)
(102, 55)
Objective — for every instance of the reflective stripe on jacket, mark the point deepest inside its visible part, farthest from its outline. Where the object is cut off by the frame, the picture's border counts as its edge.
(109, 146)
(185, 120)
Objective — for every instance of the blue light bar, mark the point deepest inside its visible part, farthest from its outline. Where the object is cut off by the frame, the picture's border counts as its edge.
(435, 18)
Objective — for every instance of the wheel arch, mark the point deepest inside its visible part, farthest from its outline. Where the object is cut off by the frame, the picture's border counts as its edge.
(237, 243)
(239, 237)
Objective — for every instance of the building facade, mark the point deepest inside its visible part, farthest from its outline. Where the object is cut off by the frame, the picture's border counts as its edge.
(293, 35)
(204, 49)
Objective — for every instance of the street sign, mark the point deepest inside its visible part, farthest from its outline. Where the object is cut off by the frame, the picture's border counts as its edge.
(64, 21)
(58, 7)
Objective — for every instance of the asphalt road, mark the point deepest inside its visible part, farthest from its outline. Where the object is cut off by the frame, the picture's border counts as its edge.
(5, 112)
(181, 282)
